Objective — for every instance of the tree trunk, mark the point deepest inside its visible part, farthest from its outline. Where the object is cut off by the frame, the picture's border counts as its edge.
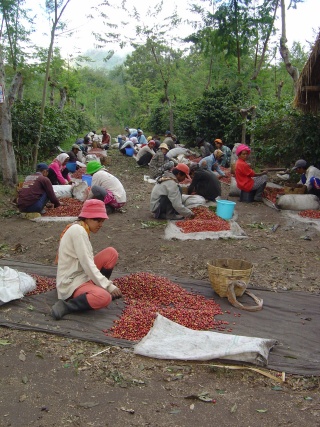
(244, 114)
(210, 73)
(265, 46)
(63, 98)
(284, 51)
(8, 161)
(279, 90)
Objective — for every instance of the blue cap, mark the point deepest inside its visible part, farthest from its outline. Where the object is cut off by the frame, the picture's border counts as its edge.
(42, 167)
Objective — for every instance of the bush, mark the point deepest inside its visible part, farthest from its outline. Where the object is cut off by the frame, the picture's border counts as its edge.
(57, 126)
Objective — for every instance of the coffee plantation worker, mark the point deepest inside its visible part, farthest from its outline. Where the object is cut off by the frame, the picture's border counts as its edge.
(105, 187)
(247, 179)
(58, 171)
(310, 177)
(83, 280)
(204, 183)
(160, 162)
(166, 198)
(37, 191)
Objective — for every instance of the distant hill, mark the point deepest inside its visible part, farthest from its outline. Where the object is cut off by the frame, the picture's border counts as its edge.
(98, 59)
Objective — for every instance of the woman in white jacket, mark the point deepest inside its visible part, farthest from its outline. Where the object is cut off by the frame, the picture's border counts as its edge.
(82, 278)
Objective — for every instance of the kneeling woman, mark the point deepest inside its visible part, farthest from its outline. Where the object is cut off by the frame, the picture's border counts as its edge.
(83, 279)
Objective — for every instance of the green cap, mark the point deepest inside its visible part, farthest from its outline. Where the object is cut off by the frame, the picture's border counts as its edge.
(93, 167)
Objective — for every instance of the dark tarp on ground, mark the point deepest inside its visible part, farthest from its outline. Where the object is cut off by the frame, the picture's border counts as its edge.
(292, 318)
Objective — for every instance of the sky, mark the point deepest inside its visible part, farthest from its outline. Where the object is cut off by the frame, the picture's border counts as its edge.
(303, 23)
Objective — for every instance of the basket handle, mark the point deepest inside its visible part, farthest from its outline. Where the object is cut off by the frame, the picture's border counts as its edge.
(233, 299)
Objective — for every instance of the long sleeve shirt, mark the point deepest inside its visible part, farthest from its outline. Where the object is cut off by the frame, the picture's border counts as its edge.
(56, 167)
(310, 173)
(76, 263)
(206, 184)
(244, 175)
(33, 188)
(169, 188)
(104, 179)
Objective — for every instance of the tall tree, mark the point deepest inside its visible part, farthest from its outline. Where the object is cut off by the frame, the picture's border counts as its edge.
(284, 50)
(55, 9)
(11, 33)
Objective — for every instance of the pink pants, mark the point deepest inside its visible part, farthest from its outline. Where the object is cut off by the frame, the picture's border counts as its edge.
(98, 297)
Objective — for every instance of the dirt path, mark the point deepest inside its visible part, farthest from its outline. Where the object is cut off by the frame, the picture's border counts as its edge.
(49, 381)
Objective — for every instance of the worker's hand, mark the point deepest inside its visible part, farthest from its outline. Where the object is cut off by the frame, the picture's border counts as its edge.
(191, 216)
(116, 294)
(70, 182)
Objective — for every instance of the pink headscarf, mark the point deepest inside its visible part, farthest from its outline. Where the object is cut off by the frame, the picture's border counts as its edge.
(242, 147)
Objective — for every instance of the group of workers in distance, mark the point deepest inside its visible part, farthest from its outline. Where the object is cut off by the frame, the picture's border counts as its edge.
(83, 279)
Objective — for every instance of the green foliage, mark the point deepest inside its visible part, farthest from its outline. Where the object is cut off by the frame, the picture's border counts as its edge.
(283, 134)
(57, 127)
(215, 115)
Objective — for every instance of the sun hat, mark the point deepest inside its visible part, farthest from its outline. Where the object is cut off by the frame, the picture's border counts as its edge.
(218, 153)
(93, 208)
(300, 164)
(218, 140)
(152, 142)
(42, 167)
(93, 167)
(149, 138)
(242, 147)
(76, 146)
(164, 145)
(182, 167)
(134, 139)
(168, 132)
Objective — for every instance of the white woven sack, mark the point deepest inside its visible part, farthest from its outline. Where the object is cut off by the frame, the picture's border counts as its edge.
(14, 284)
(80, 191)
(193, 200)
(62, 191)
(298, 202)
(234, 190)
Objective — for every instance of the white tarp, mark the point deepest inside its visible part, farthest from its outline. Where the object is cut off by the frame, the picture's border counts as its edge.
(172, 231)
(169, 340)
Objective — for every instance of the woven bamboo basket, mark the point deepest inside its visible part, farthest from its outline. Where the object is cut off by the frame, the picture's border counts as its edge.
(294, 189)
(223, 271)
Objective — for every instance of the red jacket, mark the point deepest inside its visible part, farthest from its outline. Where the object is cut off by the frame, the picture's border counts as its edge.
(244, 174)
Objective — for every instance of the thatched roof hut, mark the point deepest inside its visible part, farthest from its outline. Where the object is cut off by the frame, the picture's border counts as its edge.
(307, 96)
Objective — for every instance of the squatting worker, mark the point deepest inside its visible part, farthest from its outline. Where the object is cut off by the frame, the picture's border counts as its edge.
(204, 183)
(166, 198)
(37, 191)
(247, 179)
(106, 187)
(82, 278)
(309, 177)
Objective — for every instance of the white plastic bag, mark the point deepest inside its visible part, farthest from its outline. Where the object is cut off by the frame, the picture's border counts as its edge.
(14, 284)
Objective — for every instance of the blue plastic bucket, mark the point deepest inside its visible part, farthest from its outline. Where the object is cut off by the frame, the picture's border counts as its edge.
(87, 179)
(129, 151)
(72, 166)
(225, 209)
